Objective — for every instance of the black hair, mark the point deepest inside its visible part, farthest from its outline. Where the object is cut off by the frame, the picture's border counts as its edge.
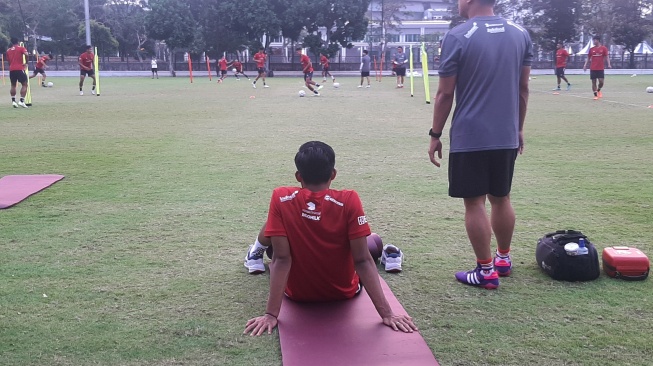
(88, 47)
(261, 48)
(298, 49)
(50, 56)
(365, 52)
(597, 38)
(14, 40)
(315, 162)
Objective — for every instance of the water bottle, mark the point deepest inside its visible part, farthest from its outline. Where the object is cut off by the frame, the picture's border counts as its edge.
(582, 248)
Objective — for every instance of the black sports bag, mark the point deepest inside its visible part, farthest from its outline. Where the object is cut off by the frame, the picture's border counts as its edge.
(554, 260)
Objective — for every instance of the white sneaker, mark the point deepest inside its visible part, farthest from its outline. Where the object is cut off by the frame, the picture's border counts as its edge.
(81, 92)
(368, 86)
(254, 85)
(320, 87)
(93, 91)
(360, 86)
(266, 86)
(391, 258)
(316, 94)
(324, 80)
(22, 104)
(14, 104)
(254, 261)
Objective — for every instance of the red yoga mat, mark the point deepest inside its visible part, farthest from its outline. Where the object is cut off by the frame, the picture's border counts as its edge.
(15, 188)
(347, 333)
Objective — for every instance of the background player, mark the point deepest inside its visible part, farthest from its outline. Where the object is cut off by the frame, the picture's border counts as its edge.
(223, 65)
(319, 236)
(399, 61)
(307, 69)
(41, 65)
(155, 68)
(324, 61)
(260, 57)
(561, 63)
(238, 66)
(597, 57)
(86, 68)
(16, 55)
(365, 68)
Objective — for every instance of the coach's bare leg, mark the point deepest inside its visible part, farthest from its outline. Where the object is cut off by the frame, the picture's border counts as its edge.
(478, 227)
(502, 219)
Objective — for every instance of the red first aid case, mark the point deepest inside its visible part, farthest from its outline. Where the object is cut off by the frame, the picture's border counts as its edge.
(625, 263)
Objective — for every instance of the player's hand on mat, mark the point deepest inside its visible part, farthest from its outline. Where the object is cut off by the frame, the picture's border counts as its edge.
(402, 323)
(521, 142)
(258, 325)
(436, 145)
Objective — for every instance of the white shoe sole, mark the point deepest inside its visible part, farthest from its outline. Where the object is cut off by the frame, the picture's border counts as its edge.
(254, 266)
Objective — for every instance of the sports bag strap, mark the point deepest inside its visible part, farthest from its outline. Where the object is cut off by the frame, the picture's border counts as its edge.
(632, 278)
(566, 232)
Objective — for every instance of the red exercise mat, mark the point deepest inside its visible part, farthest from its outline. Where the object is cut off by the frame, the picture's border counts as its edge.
(15, 188)
(347, 333)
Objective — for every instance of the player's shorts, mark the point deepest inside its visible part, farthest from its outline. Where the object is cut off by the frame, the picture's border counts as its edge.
(87, 72)
(477, 173)
(400, 71)
(17, 76)
(223, 72)
(560, 71)
(597, 74)
(239, 71)
(308, 76)
(39, 71)
(365, 74)
(155, 69)
(261, 70)
(326, 69)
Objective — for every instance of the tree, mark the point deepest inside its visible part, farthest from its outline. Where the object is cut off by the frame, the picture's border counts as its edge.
(171, 21)
(343, 20)
(127, 22)
(555, 21)
(101, 36)
(631, 26)
(389, 18)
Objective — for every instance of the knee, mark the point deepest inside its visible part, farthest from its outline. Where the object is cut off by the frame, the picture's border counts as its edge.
(499, 201)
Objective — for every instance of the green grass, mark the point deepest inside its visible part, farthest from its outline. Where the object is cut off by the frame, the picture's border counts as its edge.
(139, 250)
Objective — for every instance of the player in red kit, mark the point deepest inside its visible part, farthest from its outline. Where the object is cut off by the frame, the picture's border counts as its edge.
(324, 61)
(319, 237)
(238, 69)
(260, 57)
(223, 65)
(597, 57)
(86, 68)
(307, 69)
(16, 55)
(561, 63)
(41, 64)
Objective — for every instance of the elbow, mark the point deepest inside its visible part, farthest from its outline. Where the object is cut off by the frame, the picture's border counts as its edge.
(444, 96)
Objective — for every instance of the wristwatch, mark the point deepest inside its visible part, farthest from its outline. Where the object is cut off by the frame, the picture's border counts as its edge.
(434, 134)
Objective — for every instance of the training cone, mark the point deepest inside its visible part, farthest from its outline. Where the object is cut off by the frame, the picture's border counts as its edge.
(556, 93)
(252, 97)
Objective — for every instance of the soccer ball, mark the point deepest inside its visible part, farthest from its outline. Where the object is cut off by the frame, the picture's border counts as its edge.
(50, 84)
(649, 89)
(302, 93)
(336, 85)
(234, 70)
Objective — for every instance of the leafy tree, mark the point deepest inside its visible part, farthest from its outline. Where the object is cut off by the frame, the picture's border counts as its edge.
(389, 18)
(127, 22)
(101, 36)
(555, 20)
(631, 26)
(344, 20)
(172, 22)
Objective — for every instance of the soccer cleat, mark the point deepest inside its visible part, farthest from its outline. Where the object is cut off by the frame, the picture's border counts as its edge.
(556, 89)
(596, 98)
(368, 86)
(254, 85)
(266, 86)
(324, 80)
(503, 266)
(320, 87)
(476, 278)
(316, 94)
(254, 261)
(14, 104)
(93, 91)
(600, 94)
(568, 87)
(81, 92)
(360, 86)
(391, 258)
(22, 104)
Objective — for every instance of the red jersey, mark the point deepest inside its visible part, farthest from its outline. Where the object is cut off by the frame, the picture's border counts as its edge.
(15, 57)
(561, 57)
(598, 55)
(42, 61)
(260, 59)
(223, 64)
(238, 66)
(324, 61)
(319, 226)
(306, 64)
(86, 59)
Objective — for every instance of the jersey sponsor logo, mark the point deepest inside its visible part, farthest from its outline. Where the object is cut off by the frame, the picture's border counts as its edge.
(471, 32)
(495, 28)
(362, 220)
(331, 199)
(311, 217)
(311, 206)
(289, 197)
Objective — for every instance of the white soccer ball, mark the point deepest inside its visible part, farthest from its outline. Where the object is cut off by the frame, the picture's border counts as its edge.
(234, 70)
(336, 85)
(50, 84)
(302, 93)
(649, 89)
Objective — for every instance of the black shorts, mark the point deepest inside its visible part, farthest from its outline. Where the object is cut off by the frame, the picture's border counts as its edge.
(39, 71)
(223, 72)
(325, 69)
(87, 72)
(17, 76)
(261, 70)
(365, 74)
(154, 69)
(597, 74)
(308, 76)
(560, 71)
(400, 71)
(477, 173)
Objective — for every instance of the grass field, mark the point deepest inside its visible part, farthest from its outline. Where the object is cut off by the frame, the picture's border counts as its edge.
(139, 250)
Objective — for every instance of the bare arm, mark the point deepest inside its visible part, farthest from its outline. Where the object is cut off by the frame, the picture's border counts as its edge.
(443, 104)
(369, 276)
(523, 104)
(279, 270)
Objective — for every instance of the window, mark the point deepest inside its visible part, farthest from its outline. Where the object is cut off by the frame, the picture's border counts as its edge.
(392, 38)
(412, 37)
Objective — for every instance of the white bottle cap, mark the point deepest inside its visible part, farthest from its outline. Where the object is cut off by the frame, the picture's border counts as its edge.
(571, 248)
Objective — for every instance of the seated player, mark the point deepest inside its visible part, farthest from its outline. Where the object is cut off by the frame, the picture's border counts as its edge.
(319, 236)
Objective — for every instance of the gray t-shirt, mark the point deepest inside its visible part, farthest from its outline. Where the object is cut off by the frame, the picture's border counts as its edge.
(365, 63)
(487, 55)
(400, 59)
